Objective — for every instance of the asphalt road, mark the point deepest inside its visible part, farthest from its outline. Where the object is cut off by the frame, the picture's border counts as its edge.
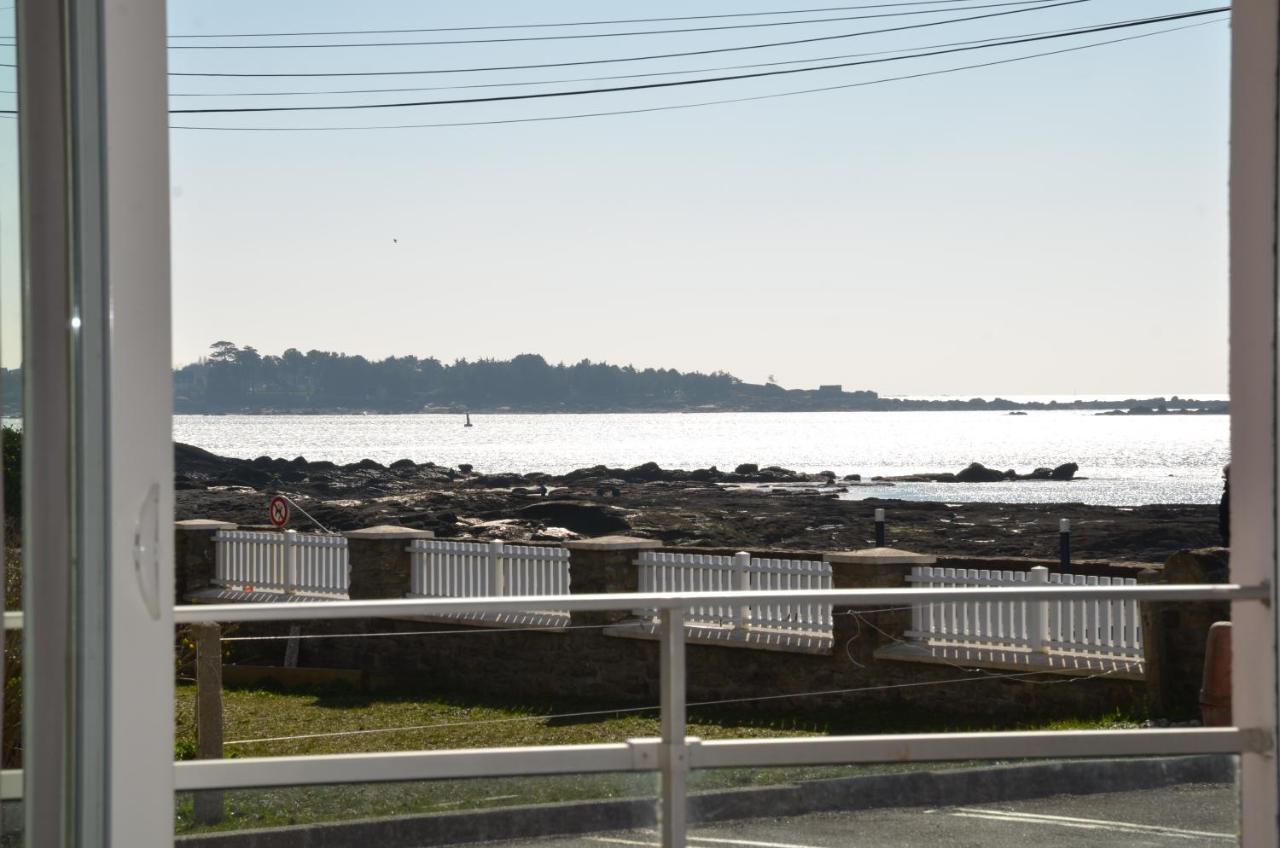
(1189, 814)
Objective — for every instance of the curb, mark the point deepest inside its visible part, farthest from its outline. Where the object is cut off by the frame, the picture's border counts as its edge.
(907, 789)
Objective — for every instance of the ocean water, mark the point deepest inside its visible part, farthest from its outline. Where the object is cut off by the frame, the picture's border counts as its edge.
(1126, 460)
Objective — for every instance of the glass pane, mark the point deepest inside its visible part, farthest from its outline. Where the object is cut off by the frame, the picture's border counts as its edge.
(11, 387)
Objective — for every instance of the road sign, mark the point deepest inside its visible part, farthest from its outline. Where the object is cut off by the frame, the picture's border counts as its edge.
(279, 511)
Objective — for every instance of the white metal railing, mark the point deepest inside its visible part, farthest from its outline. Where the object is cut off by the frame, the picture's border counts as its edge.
(681, 572)
(675, 752)
(441, 569)
(1099, 627)
(288, 562)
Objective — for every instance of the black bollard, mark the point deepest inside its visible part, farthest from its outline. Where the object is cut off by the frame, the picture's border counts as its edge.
(880, 528)
(1064, 545)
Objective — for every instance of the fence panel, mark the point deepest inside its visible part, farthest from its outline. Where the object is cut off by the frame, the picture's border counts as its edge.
(1097, 628)
(663, 571)
(443, 569)
(288, 562)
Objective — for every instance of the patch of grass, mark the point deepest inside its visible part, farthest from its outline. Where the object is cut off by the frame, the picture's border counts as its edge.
(435, 723)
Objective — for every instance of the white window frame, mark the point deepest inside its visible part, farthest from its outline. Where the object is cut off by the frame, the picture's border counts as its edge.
(93, 140)
(99, 733)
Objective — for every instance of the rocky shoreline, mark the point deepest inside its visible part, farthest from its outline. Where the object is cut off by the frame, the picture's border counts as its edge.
(748, 507)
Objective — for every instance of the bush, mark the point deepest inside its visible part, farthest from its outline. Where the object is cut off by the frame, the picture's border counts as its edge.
(11, 447)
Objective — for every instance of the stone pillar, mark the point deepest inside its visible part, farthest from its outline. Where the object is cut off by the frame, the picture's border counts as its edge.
(872, 568)
(1175, 633)
(379, 561)
(195, 556)
(606, 565)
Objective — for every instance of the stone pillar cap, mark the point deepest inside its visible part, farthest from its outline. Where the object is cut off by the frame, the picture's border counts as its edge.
(204, 524)
(388, 532)
(613, 543)
(880, 556)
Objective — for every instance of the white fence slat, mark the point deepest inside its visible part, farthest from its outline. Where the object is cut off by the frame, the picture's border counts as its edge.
(1093, 627)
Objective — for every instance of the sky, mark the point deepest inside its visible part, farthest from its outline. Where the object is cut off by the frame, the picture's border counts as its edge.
(1056, 225)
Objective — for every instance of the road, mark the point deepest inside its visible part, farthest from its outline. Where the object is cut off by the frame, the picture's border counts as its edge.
(1189, 814)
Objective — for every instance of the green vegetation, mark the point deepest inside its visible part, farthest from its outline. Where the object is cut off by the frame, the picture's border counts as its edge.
(240, 379)
(443, 723)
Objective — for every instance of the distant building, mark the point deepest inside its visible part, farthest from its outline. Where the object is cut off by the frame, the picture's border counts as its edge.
(835, 388)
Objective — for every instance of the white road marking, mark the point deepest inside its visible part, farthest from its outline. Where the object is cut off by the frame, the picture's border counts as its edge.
(614, 841)
(748, 842)
(1088, 824)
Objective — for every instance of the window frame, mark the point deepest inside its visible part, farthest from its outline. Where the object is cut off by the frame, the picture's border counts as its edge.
(94, 143)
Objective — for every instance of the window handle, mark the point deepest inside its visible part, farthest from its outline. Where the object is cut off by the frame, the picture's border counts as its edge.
(146, 551)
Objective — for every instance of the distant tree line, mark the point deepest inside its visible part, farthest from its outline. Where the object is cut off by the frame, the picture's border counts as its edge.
(234, 378)
(240, 379)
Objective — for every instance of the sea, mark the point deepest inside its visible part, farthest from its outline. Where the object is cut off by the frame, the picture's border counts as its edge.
(1124, 460)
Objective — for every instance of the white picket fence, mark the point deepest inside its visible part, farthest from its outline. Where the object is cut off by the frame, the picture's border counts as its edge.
(1102, 628)
(672, 572)
(440, 569)
(288, 562)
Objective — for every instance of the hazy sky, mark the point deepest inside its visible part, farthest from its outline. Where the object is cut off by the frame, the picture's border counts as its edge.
(1054, 225)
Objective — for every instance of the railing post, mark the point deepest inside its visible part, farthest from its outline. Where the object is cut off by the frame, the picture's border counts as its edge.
(605, 565)
(379, 560)
(880, 543)
(195, 555)
(497, 583)
(290, 561)
(742, 583)
(673, 760)
(208, 638)
(1038, 614)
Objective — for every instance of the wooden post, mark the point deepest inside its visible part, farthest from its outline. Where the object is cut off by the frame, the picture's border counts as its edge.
(208, 638)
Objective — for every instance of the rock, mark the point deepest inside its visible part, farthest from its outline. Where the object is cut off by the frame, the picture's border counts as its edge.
(1041, 474)
(1066, 471)
(976, 472)
(853, 478)
(645, 473)
(365, 465)
(465, 467)
(402, 464)
(263, 461)
(747, 468)
(588, 519)
(554, 534)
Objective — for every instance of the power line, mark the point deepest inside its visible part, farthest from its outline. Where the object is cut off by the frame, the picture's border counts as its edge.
(624, 710)
(568, 23)
(726, 101)
(1069, 31)
(680, 83)
(646, 58)
(586, 35)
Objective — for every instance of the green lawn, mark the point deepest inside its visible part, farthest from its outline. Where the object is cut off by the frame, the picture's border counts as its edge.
(444, 723)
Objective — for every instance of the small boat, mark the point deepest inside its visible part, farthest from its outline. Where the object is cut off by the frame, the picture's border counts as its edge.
(468, 424)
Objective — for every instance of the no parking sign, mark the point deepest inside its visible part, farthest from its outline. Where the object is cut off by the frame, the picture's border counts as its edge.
(279, 511)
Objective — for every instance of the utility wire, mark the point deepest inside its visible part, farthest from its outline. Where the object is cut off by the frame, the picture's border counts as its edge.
(646, 58)
(584, 35)
(726, 101)
(625, 710)
(1070, 31)
(567, 23)
(680, 83)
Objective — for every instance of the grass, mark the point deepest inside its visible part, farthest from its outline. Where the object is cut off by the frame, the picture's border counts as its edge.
(443, 722)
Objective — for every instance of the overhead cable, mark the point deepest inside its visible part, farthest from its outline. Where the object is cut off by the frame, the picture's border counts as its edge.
(679, 106)
(542, 95)
(645, 58)
(587, 35)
